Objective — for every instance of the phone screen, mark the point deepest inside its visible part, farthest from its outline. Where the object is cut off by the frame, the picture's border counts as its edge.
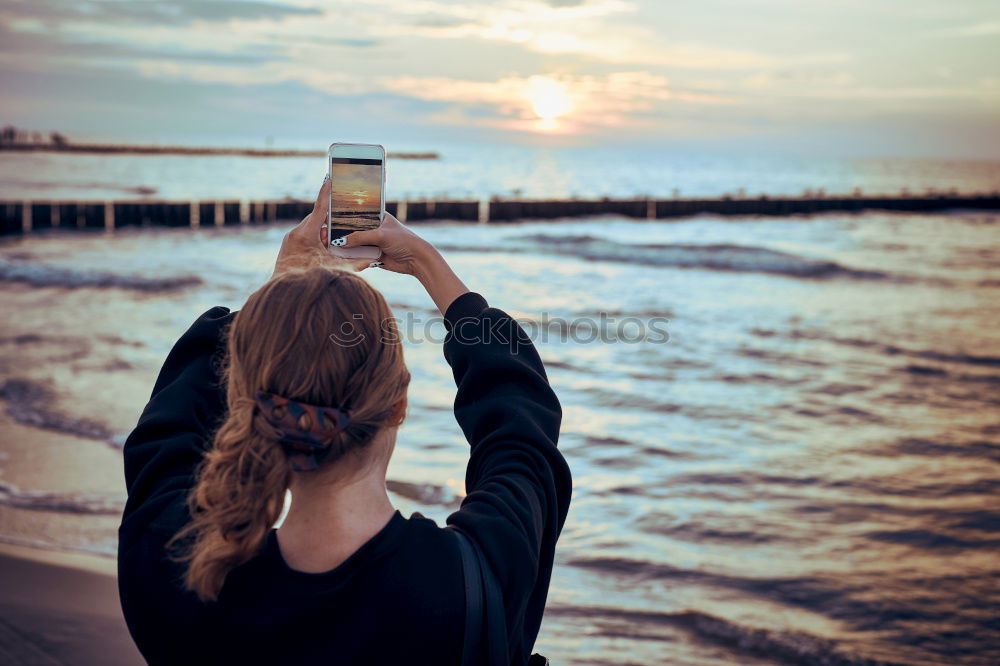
(356, 194)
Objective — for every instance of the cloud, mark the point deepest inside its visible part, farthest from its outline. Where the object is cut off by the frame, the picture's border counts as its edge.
(512, 102)
(327, 81)
(981, 29)
(797, 79)
(172, 12)
(980, 92)
(577, 104)
(16, 45)
(809, 84)
(590, 101)
(600, 30)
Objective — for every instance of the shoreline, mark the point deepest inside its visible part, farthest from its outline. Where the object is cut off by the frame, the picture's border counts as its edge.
(61, 608)
(95, 563)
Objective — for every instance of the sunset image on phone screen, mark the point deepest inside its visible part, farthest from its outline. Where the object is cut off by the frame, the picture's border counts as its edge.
(356, 197)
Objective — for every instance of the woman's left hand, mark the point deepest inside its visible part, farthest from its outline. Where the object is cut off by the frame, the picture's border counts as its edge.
(307, 243)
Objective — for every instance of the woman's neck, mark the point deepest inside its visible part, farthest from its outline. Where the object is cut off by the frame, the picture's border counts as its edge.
(328, 522)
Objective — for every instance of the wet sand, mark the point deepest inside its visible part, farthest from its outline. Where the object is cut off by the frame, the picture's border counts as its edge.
(60, 608)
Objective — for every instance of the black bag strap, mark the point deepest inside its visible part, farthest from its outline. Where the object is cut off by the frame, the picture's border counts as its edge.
(473, 599)
(496, 615)
(483, 605)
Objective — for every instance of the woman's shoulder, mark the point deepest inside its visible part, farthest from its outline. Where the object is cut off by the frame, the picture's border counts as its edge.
(428, 540)
(421, 526)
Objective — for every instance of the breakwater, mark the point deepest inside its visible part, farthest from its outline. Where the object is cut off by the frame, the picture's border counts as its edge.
(131, 149)
(18, 217)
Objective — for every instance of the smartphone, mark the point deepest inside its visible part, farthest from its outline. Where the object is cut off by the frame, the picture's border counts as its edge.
(357, 194)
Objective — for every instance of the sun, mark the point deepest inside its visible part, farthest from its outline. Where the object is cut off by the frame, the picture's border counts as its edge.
(549, 98)
(360, 196)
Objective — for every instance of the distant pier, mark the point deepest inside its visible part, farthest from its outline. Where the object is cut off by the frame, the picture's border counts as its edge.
(128, 149)
(18, 217)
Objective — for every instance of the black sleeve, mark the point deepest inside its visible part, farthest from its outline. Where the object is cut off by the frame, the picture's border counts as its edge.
(175, 428)
(518, 483)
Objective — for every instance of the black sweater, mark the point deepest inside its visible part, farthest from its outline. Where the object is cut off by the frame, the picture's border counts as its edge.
(400, 598)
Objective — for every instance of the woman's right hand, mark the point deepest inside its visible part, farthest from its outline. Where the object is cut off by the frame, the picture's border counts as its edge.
(402, 250)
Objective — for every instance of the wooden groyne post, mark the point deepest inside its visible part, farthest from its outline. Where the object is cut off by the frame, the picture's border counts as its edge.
(22, 217)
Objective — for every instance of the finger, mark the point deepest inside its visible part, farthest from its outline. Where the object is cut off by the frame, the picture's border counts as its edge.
(369, 237)
(320, 211)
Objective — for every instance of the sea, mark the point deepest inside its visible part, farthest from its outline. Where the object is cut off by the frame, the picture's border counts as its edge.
(784, 432)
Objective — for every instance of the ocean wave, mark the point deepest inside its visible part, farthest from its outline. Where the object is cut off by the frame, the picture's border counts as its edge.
(900, 617)
(106, 504)
(27, 404)
(591, 441)
(107, 548)
(899, 485)
(40, 500)
(963, 358)
(424, 493)
(561, 365)
(757, 379)
(45, 275)
(787, 647)
(778, 358)
(916, 446)
(668, 453)
(928, 539)
(719, 256)
(637, 402)
(984, 521)
(696, 531)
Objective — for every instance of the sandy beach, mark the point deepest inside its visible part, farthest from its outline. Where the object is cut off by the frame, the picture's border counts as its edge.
(60, 608)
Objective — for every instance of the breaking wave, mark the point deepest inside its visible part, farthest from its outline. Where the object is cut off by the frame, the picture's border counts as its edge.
(41, 500)
(424, 493)
(783, 646)
(717, 257)
(720, 257)
(27, 404)
(45, 275)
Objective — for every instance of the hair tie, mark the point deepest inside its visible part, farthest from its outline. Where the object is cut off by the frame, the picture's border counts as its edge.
(306, 430)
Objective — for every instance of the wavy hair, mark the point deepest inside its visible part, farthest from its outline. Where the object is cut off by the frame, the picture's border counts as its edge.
(320, 335)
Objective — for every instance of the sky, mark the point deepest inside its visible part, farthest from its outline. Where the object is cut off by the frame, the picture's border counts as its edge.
(861, 77)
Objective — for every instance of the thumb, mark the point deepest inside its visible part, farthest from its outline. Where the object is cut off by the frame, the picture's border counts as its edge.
(368, 237)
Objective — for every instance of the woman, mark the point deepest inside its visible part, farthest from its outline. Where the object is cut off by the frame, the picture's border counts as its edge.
(304, 389)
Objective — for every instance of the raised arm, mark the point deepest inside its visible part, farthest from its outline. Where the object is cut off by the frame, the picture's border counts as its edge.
(518, 483)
